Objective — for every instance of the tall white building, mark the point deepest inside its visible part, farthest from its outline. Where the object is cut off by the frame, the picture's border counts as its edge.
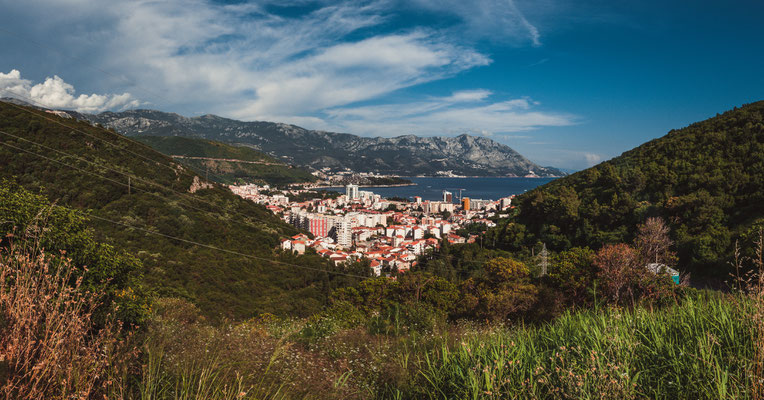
(352, 192)
(343, 231)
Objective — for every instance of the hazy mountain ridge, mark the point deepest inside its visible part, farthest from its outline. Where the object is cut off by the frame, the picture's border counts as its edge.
(402, 155)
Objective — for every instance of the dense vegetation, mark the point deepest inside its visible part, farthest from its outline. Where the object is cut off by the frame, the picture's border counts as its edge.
(193, 147)
(225, 163)
(193, 274)
(704, 180)
(112, 177)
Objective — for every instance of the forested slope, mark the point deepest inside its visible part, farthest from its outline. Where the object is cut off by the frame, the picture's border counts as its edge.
(706, 180)
(75, 164)
(227, 163)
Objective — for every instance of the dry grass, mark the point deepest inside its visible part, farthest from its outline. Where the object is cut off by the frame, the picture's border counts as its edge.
(50, 347)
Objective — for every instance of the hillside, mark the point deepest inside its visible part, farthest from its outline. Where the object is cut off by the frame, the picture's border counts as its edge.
(705, 180)
(77, 165)
(402, 155)
(226, 163)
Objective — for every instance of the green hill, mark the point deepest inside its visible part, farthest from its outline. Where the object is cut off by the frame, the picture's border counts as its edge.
(705, 180)
(112, 177)
(227, 163)
(193, 147)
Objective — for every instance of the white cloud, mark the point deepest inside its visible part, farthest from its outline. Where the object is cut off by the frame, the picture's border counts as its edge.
(546, 153)
(245, 62)
(468, 95)
(592, 158)
(498, 20)
(445, 116)
(55, 93)
(351, 72)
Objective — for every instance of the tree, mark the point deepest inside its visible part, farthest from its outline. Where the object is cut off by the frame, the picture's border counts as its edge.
(653, 242)
(572, 273)
(618, 269)
(503, 292)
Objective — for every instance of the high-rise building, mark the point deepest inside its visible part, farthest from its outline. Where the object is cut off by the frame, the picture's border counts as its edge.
(343, 231)
(466, 204)
(318, 226)
(479, 204)
(448, 197)
(351, 191)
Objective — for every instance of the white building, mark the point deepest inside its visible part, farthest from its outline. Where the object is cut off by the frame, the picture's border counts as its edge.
(351, 191)
(342, 231)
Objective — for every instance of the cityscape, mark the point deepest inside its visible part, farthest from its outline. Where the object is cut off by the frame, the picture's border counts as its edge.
(391, 234)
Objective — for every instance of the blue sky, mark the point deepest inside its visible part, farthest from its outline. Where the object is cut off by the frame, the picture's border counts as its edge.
(567, 84)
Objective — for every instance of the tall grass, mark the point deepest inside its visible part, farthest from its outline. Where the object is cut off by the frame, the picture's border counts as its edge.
(699, 349)
(50, 347)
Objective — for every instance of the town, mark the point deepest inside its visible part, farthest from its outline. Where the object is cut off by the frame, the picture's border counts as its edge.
(390, 233)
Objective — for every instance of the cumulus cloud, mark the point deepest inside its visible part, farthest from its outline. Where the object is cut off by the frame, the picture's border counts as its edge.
(55, 93)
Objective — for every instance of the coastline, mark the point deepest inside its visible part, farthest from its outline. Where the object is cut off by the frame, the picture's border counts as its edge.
(367, 186)
(487, 176)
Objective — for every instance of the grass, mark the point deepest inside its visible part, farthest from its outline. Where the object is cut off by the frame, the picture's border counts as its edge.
(705, 346)
(699, 349)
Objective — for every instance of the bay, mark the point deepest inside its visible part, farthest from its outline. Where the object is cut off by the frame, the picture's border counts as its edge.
(492, 188)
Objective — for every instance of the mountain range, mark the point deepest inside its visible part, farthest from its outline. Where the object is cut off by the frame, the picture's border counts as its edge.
(403, 155)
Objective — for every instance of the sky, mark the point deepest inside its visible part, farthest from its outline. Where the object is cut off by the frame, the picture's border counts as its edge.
(567, 84)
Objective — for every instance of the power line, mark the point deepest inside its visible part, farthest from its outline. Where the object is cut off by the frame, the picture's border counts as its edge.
(170, 236)
(116, 135)
(128, 185)
(116, 171)
(129, 176)
(216, 248)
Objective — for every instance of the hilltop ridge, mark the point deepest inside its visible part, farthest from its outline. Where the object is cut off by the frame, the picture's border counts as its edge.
(704, 180)
(401, 155)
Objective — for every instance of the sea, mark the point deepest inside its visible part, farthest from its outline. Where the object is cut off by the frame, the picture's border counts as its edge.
(475, 188)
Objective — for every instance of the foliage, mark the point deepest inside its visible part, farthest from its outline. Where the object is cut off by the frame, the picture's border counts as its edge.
(103, 268)
(503, 292)
(625, 279)
(703, 180)
(243, 281)
(51, 346)
(573, 274)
